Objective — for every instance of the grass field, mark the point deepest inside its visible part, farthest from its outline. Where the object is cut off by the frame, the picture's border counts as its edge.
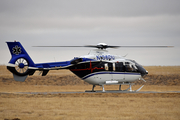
(94, 106)
(90, 107)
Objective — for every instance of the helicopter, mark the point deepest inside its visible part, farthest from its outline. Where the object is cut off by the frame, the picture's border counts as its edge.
(98, 68)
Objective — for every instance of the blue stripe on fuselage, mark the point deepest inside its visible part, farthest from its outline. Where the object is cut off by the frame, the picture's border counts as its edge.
(108, 72)
(53, 64)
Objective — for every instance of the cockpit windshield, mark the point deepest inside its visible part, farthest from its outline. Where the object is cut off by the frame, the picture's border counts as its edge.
(140, 68)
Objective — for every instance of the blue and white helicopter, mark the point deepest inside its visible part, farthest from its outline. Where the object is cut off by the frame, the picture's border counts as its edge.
(97, 68)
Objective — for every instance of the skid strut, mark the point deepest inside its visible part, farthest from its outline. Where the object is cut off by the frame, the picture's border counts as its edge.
(120, 87)
(130, 88)
(93, 88)
(103, 88)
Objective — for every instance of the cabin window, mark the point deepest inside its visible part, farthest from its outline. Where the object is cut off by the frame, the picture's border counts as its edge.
(108, 66)
(119, 67)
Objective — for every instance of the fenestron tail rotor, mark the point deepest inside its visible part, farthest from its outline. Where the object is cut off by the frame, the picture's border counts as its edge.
(21, 65)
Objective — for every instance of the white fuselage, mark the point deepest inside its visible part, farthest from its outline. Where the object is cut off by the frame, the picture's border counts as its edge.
(111, 78)
(108, 76)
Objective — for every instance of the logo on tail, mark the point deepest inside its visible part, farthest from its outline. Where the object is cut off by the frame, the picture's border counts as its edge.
(16, 50)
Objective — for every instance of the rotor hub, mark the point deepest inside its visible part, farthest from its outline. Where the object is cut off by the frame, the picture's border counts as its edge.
(102, 45)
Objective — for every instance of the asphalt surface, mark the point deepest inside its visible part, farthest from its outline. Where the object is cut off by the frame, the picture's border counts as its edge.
(108, 91)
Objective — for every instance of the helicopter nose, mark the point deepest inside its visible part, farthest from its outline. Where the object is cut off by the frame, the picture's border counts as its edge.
(144, 72)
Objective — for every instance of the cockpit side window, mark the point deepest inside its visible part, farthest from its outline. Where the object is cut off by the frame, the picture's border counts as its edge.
(134, 69)
(129, 67)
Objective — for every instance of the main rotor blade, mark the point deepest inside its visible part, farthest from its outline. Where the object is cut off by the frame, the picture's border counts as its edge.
(108, 46)
(58, 46)
(148, 46)
(93, 46)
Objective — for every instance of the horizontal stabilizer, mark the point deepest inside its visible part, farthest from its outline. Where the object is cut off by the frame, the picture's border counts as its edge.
(19, 78)
(32, 73)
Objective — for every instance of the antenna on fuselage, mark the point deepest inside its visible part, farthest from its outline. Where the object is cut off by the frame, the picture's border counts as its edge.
(125, 55)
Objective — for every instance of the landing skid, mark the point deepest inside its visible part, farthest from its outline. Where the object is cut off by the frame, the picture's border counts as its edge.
(128, 89)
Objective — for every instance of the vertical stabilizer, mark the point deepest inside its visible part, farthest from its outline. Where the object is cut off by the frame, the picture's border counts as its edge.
(20, 61)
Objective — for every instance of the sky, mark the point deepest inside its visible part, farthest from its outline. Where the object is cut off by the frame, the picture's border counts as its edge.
(82, 22)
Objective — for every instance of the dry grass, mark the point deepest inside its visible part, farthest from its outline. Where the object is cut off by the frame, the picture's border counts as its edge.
(94, 106)
(90, 107)
(162, 70)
